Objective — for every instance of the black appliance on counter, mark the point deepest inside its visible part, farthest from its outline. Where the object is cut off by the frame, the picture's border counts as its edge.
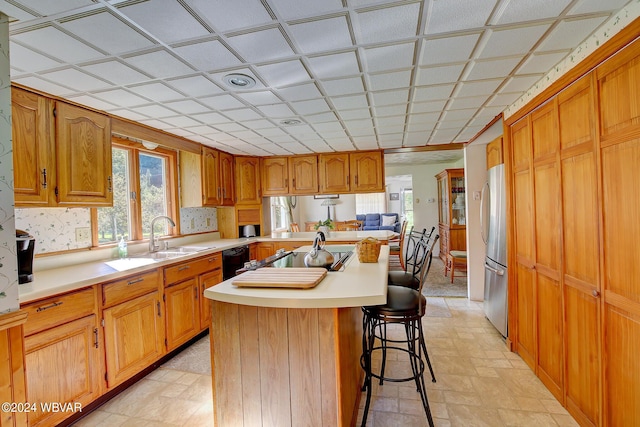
(25, 245)
(233, 260)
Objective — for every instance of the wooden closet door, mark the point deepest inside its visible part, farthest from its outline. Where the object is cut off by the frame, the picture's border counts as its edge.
(619, 137)
(580, 237)
(548, 252)
(525, 334)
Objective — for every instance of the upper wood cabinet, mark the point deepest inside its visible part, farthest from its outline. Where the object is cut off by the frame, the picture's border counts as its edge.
(296, 175)
(83, 146)
(217, 178)
(367, 171)
(33, 149)
(361, 172)
(248, 188)
(494, 153)
(63, 160)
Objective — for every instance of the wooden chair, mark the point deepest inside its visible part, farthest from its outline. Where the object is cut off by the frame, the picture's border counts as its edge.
(396, 246)
(352, 225)
(456, 260)
(295, 227)
(310, 225)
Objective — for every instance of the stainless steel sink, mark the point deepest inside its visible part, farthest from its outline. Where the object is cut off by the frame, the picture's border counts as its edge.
(175, 252)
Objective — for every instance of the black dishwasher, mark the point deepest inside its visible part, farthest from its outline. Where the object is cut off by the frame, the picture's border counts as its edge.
(233, 260)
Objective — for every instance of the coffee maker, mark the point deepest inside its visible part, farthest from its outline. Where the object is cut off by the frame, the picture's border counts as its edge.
(25, 244)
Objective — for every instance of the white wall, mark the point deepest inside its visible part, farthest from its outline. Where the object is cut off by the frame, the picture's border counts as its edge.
(475, 175)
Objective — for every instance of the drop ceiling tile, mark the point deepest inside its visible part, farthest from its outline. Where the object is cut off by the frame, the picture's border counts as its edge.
(466, 114)
(57, 44)
(43, 85)
(16, 12)
(471, 102)
(180, 132)
(211, 118)
(354, 114)
(387, 24)
(321, 35)
(590, 6)
(228, 15)
(391, 57)
(478, 88)
(365, 143)
(261, 46)
(328, 127)
(257, 124)
(195, 86)
(156, 91)
(222, 102)
(512, 41)
(428, 93)
(447, 49)
(181, 121)
(489, 69)
(300, 92)
(186, 106)
(158, 124)
(388, 122)
(276, 111)
(242, 114)
(334, 66)
(503, 100)
(350, 102)
(443, 136)
(394, 80)
(76, 79)
(54, 7)
(422, 122)
(292, 9)
(108, 33)
(229, 127)
(398, 96)
(92, 102)
(391, 110)
(540, 62)
(208, 56)
(247, 135)
(165, 19)
(271, 132)
(159, 64)
(284, 73)
(334, 134)
(127, 114)
(121, 97)
(416, 139)
(353, 125)
(202, 130)
(259, 98)
(454, 15)
(154, 110)
(321, 118)
(437, 75)
(521, 11)
(569, 34)
(26, 59)
(343, 86)
(312, 106)
(115, 72)
(300, 130)
(281, 139)
(428, 107)
(520, 84)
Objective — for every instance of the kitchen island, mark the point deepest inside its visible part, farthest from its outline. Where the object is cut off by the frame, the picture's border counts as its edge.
(290, 357)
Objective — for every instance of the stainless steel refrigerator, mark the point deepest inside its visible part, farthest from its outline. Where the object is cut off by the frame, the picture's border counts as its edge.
(494, 233)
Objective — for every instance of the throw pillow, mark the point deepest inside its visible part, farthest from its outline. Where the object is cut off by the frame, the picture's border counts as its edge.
(388, 220)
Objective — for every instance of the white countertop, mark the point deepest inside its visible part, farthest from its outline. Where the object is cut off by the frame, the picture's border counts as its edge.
(359, 284)
(334, 236)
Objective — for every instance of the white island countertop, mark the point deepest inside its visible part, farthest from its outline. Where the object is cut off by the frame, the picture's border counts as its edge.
(358, 284)
(333, 236)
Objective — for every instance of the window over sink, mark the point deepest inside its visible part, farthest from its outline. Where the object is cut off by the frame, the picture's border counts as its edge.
(142, 189)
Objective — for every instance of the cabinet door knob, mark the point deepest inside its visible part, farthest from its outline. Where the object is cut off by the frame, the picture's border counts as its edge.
(595, 293)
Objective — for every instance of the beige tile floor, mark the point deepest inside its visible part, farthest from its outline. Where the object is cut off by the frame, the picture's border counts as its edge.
(479, 383)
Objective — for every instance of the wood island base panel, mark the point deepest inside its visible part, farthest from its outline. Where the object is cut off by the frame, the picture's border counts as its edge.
(284, 367)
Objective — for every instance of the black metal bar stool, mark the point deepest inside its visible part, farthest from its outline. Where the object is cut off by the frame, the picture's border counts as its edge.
(404, 306)
(410, 277)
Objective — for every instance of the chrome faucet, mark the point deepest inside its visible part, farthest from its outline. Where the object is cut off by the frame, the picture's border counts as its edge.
(153, 246)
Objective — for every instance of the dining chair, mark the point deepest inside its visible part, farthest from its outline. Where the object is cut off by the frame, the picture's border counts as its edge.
(396, 246)
(295, 227)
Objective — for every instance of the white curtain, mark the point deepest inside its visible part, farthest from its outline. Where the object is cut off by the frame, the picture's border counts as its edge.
(371, 203)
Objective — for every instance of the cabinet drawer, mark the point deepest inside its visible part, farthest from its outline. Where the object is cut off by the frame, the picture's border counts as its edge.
(129, 288)
(57, 310)
(186, 270)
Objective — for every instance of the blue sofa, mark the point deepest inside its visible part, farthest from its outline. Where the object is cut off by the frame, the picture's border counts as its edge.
(373, 221)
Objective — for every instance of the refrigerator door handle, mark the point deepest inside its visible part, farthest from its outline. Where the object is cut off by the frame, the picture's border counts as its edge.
(499, 272)
(483, 201)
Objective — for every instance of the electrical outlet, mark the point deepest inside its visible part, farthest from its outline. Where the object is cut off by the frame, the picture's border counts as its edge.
(83, 234)
(193, 223)
(208, 222)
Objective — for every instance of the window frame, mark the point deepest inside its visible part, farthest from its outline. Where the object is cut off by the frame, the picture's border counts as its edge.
(134, 149)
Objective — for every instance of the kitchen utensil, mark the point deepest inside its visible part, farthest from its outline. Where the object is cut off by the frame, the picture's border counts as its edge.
(318, 256)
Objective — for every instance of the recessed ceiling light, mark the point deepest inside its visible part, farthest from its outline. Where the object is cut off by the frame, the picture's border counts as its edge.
(239, 81)
(290, 122)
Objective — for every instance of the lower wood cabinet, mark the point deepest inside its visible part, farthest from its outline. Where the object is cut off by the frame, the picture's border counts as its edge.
(134, 334)
(207, 280)
(183, 312)
(63, 364)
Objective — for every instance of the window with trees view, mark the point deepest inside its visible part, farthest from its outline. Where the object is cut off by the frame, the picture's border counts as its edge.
(142, 182)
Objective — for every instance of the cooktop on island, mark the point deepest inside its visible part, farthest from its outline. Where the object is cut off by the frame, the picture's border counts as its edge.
(283, 259)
